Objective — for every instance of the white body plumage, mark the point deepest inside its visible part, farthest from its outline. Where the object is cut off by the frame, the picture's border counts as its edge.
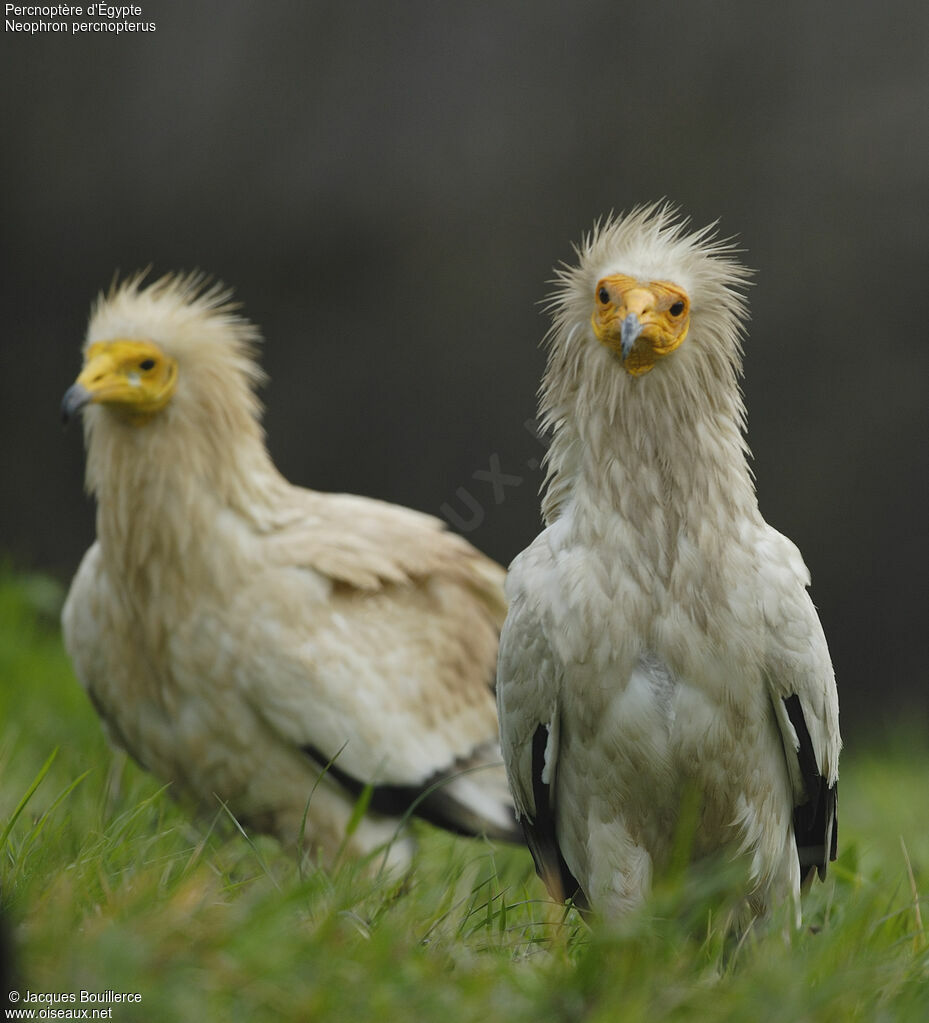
(660, 638)
(236, 632)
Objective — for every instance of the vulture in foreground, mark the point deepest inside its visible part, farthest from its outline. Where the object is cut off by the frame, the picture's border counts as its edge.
(284, 651)
(662, 675)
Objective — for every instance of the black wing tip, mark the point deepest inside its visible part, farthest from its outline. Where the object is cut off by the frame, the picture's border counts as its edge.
(816, 822)
(556, 875)
(541, 836)
(429, 801)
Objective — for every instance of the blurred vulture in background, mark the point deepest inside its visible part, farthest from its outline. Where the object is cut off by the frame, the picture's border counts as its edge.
(284, 651)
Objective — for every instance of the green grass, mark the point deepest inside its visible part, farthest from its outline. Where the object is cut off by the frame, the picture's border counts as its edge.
(106, 883)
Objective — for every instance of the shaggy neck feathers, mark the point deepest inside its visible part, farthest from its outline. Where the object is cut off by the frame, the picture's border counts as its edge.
(650, 467)
(618, 439)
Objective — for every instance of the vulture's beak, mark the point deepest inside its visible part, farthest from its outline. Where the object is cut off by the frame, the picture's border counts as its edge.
(630, 330)
(75, 398)
(639, 322)
(135, 377)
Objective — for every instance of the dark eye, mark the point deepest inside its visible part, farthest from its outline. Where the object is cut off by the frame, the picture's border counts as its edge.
(147, 364)
(603, 295)
(676, 309)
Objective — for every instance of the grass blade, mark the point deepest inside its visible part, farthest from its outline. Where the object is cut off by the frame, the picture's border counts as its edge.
(30, 792)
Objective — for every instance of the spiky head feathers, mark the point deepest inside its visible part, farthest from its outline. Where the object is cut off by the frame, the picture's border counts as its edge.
(693, 274)
(192, 319)
(170, 349)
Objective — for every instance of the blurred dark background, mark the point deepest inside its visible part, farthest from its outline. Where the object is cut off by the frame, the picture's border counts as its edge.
(388, 187)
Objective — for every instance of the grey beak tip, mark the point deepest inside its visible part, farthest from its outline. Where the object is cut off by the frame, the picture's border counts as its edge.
(631, 329)
(75, 398)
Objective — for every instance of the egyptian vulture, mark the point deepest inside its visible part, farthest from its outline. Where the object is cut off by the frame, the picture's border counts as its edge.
(284, 651)
(661, 649)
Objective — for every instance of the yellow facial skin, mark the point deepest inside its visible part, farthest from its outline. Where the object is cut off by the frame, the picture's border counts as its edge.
(642, 321)
(135, 377)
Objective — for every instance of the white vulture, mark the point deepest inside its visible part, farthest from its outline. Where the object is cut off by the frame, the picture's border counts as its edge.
(285, 651)
(661, 651)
